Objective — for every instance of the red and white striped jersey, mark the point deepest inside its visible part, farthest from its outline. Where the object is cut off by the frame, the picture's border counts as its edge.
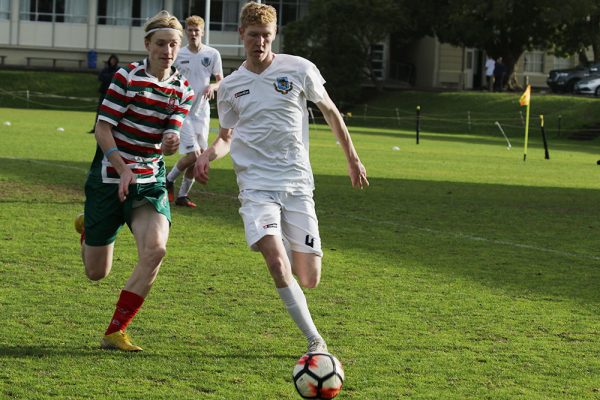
(141, 109)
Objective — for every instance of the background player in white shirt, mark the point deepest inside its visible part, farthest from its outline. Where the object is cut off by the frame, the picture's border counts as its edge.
(264, 102)
(197, 62)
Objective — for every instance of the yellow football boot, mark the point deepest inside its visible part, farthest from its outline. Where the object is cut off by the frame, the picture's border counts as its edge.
(118, 341)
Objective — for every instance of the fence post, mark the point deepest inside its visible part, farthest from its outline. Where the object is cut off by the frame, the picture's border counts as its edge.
(418, 122)
(546, 154)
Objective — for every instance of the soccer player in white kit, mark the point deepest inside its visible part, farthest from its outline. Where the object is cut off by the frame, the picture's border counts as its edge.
(264, 124)
(197, 62)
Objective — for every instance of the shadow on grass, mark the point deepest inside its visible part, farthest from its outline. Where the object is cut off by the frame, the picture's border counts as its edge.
(532, 241)
(43, 351)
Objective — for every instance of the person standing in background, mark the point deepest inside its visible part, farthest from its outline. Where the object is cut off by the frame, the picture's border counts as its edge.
(490, 64)
(499, 75)
(105, 77)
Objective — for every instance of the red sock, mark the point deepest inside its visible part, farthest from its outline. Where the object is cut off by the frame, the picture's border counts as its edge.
(128, 305)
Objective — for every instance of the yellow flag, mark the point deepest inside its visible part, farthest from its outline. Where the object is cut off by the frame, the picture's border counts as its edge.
(526, 96)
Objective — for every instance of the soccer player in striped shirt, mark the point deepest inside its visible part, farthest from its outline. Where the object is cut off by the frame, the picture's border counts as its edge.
(139, 122)
(264, 124)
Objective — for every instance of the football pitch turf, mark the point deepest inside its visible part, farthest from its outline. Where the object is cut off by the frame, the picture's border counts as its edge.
(463, 272)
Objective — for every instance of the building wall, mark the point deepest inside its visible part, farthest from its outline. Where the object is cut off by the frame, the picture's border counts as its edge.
(62, 45)
(441, 65)
(450, 72)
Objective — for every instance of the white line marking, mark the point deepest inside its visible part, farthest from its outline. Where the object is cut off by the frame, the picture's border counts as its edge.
(480, 239)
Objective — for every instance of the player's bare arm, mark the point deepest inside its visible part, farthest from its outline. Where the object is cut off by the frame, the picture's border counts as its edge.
(218, 149)
(209, 92)
(356, 170)
(106, 142)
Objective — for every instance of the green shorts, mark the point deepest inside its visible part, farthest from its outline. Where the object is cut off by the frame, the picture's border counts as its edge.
(105, 214)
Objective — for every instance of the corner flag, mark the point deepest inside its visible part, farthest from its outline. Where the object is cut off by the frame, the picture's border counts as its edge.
(525, 100)
(525, 97)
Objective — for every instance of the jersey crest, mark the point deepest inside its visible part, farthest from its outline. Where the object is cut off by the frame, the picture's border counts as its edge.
(283, 85)
(172, 103)
(206, 61)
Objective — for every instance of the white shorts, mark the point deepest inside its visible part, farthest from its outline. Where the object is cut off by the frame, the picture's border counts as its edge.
(284, 214)
(193, 135)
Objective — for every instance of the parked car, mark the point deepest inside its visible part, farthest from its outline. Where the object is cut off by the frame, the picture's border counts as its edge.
(589, 85)
(564, 80)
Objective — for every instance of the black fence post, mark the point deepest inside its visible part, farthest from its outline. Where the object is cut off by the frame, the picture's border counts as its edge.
(546, 154)
(418, 122)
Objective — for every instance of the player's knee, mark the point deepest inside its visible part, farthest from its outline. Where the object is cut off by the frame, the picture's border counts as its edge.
(95, 274)
(154, 255)
(309, 282)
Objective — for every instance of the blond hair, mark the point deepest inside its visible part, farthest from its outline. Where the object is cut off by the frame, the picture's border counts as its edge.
(162, 20)
(254, 13)
(194, 20)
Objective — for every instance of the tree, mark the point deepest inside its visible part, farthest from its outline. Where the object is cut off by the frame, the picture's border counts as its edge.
(338, 36)
(503, 28)
(579, 30)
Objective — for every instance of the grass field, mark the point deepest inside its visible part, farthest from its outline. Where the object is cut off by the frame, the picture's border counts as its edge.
(461, 273)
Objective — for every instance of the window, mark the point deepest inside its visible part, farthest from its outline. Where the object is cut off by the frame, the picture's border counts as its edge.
(377, 60)
(562, 63)
(4, 9)
(53, 10)
(127, 12)
(469, 63)
(76, 11)
(289, 10)
(36, 10)
(224, 14)
(533, 61)
(184, 8)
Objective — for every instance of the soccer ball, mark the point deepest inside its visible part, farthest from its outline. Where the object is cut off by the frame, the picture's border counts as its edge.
(318, 376)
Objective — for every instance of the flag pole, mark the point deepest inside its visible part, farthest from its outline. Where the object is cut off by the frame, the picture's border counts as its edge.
(526, 133)
(525, 100)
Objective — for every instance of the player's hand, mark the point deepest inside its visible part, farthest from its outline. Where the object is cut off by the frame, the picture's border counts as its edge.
(170, 144)
(358, 175)
(201, 169)
(209, 93)
(127, 178)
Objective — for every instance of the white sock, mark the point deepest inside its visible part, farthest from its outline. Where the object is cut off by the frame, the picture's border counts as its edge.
(295, 302)
(175, 172)
(186, 186)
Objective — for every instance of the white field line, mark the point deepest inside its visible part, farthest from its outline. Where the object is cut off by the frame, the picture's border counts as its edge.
(429, 230)
(461, 235)
(83, 170)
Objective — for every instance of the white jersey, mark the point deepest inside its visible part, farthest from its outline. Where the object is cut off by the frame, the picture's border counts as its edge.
(269, 117)
(198, 68)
